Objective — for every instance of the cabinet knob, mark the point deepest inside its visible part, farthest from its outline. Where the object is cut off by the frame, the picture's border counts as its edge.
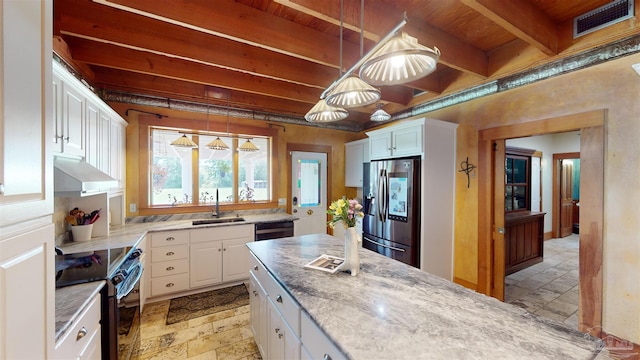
(255, 293)
(326, 357)
(277, 330)
(255, 267)
(170, 238)
(170, 253)
(81, 333)
(66, 139)
(170, 285)
(219, 249)
(170, 268)
(279, 299)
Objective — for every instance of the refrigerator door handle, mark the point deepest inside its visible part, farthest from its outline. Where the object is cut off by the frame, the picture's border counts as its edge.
(381, 197)
(383, 245)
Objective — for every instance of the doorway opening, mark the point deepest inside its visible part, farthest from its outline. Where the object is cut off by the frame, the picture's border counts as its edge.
(491, 240)
(542, 253)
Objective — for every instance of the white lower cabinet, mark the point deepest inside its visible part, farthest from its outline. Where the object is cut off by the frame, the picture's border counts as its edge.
(83, 340)
(280, 328)
(186, 260)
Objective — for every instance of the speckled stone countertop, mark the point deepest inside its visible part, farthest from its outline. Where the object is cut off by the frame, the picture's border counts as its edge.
(71, 301)
(132, 233)
(394, 311)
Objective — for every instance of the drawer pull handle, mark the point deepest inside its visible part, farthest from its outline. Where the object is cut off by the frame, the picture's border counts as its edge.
(279, 336)
(170, 238)
(326, 357)
(170, 268)
(171, 285)
(255, 267)
(277, 330)
(170, 253)
(279, 299)
(81, 333)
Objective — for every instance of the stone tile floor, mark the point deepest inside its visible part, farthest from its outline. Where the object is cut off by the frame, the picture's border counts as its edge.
(549, 288)
(225, 335)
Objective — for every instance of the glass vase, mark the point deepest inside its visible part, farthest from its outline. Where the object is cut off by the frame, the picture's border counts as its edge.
(352, 243)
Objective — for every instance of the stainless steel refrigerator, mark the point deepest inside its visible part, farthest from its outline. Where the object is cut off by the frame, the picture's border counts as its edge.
(391, 225)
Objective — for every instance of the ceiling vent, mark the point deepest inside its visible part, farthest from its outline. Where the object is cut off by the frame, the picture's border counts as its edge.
(602, 17)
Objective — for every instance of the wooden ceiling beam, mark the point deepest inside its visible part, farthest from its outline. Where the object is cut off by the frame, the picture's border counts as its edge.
(112, 56)
(135, 83)
(91, 21)
(245, 24)
(522, 19)
(379, 16)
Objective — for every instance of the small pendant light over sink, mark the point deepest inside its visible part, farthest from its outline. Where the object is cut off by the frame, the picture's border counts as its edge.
(380, 115)
(184, 142)
(248, 146)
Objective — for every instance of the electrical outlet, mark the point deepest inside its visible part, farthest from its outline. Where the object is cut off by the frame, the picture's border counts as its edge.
(133, 208)
(282, 201)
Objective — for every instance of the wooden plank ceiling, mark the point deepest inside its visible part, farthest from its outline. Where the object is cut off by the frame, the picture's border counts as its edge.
(277, 56)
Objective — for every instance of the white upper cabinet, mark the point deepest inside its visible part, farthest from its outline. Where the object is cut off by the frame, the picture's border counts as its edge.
(404, 139)
(356, 153)
(85, 126)
(26, 167)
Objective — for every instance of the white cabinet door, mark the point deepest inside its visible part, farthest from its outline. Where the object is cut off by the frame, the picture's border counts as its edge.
(275, 333)
(117, 152)
(258, 316)
(92, 135)
(380, 145)
(27, 285)
(206, 264)
(353, 161)
(104, 142)
(73, 120)
(407, 141)
(26, 169)
(235, 260)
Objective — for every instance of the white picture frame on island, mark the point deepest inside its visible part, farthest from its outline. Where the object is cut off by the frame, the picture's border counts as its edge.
(327, 263)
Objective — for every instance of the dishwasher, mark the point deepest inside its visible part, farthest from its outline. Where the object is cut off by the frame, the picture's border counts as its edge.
(273, 230)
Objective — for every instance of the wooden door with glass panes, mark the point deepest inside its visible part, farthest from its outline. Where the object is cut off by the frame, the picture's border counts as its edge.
(309, 192)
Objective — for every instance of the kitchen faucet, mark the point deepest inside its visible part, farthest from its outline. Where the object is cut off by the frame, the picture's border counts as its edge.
(216, 212)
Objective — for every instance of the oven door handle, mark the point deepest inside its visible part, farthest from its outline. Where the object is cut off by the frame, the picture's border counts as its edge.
(122, 292)
(383, 245)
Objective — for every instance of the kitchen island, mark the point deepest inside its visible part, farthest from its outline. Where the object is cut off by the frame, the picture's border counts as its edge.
(394, 311)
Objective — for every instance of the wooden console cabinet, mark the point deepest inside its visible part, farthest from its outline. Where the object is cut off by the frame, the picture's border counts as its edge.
(524, 234)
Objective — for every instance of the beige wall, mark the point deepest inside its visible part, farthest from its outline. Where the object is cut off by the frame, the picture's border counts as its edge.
(613, 86)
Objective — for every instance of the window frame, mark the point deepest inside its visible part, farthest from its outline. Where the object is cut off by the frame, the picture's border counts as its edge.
(518, 154)
(205, 126)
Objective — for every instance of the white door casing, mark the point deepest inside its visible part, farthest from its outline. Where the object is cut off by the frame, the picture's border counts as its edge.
(309, 192)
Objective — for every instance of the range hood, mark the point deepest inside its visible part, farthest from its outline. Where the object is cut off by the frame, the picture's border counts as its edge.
(75, 177)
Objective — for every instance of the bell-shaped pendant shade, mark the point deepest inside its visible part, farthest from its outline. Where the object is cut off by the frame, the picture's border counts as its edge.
(184, 141)
(218, 144)
(399, 61)
(322, 112)
(353, 92)
(380, 115)
(248, 146)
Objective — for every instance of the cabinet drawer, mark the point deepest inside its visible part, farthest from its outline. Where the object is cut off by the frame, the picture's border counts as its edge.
(166, 268)
(223, 233)
(82, 333)
(169, 284)
(167, 253)
(284, 303)
(315, 342)
(169, 238)
(257, 269)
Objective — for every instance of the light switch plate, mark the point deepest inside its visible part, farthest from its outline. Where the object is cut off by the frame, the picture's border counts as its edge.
(133, 208)
(282, 201)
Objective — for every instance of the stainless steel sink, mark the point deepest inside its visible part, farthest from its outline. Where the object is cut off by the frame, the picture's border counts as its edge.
(217, 221)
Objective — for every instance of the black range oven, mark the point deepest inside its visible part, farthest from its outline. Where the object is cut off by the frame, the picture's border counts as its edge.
(122, 270)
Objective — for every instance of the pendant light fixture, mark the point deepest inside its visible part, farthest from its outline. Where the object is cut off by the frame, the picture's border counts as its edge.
(352, 91)
(399, 61)
(322, 112)
(184, 142)
(380, 115)
(248, 146)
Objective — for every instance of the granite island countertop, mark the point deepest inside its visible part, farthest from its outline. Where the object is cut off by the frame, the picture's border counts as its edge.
(71, 301)
(394, 311)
